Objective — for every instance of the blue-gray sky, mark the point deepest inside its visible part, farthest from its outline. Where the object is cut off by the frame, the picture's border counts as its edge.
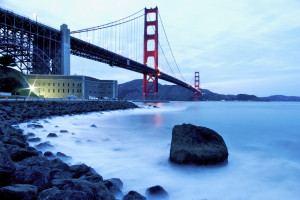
(244, 46)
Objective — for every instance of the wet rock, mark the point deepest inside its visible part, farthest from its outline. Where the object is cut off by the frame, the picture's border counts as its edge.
(92, 190)
(30, 125)
(92, 178)
(56, 194)
(17, 153)
(19, 191)
(44, 145)
(14, 141)
(36, 139)
(48, 154)
(115, 186)
(38, 176)
(38, 126)
(133, 195)
(30, 135)
(62, 155)
(82, 169)
(94, 126)
(63, 131)
(7, 166)
(156, 193)
(198, 145)
(51, 135)
(46, 121)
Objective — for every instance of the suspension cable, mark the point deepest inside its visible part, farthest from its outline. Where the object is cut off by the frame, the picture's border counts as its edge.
(170, 46)
(106, 25)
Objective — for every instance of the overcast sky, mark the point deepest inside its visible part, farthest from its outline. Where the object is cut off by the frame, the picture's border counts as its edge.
(239, 46)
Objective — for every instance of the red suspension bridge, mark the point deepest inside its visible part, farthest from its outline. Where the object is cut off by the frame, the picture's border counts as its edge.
(131, 43)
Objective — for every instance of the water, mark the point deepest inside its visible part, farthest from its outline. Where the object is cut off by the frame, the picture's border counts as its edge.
(263, 139)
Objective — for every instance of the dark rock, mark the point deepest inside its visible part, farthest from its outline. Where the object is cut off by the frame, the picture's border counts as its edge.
(63, 131)
(38, 176)
(48, 154)
(17, 153)
(44, 145)
(81, 169)
(37, 139)
(92, 178)
(92, 190)
(51, 135)
(56, 194)
(94, 126)
(46, 121)
(198, 145)
(133, 195)
(57, 163)
(115, 186)
(30, 125)
(30, 135)
(38, 126)
(14, 140)
(19, 191)
(156, 193)
(7, 166)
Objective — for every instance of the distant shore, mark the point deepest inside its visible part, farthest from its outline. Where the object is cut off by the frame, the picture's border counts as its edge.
(26, 173)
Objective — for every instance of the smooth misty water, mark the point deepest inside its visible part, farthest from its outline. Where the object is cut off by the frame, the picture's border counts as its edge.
(263, 139)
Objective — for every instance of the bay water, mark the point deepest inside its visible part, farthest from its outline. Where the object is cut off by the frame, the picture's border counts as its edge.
(263, 140)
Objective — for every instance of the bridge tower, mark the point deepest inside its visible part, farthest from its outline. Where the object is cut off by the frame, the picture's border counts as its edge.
(197, 86)
(150, 81)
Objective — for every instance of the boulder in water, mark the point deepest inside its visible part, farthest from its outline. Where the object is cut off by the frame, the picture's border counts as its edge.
(156, 193)
(197, 145)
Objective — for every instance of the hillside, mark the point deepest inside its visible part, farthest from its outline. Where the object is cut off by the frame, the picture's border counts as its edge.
(133, 90)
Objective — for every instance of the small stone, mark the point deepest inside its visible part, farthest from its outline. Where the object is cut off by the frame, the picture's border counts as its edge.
(37, 139)
(156, 193)
(44, 145)
(48, 154)
(51, 135)
(63, 131)
(38, 126)
(94, 126)
(133, 195)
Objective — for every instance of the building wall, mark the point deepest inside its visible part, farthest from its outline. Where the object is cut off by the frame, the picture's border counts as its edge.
(57, 86)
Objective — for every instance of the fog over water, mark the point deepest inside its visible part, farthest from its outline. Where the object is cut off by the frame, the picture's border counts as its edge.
(263, 139)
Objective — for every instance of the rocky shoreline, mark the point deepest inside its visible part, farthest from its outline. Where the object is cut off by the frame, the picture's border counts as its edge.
(26, 173)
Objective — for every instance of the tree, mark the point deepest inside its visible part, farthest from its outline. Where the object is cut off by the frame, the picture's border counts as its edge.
(6, 61)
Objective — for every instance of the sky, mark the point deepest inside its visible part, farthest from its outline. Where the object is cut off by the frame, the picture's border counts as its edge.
(244, 46)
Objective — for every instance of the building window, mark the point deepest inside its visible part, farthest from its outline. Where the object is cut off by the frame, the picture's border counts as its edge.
(68, 91)
(53, 84)
(48, 84)
(58, 84)
(63, 84)
(57, 90)
(73, 84)
(48, 90)
(43, 84)
(73, 90)
(68, 84)
(80, 90)
(63, 90)
(53, 90)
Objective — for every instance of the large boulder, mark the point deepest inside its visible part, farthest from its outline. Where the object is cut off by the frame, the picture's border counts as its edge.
(198, 145)
(19, 191)
(7, 166)
(56, 194)
(92, 190)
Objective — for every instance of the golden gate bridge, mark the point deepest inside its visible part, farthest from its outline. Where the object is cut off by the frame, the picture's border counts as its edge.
(132, 43)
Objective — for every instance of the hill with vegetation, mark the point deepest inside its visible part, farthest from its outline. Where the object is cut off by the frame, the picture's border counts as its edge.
(133, 90)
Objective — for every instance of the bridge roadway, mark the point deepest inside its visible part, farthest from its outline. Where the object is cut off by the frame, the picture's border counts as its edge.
(15, 22)
(90, 51)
